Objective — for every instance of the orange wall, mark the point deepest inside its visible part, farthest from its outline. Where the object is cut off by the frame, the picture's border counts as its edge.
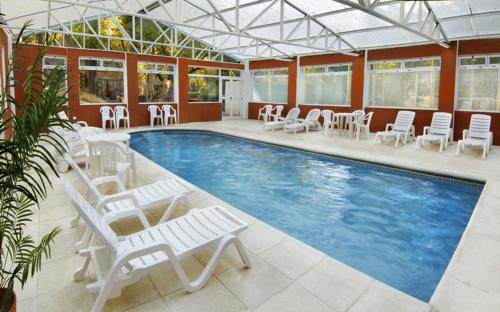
(4, 42)
(188, 112)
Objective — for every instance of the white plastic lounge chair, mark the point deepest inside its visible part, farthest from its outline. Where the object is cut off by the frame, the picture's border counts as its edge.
(107, 115)
(278, 110)
(122, 261)
(402, 128)
(80, 126)
(363, 124)
(439, 131)
(121, 113)
(265, 112)
(330, 120)
(290, 118)
(311, 121)
(155, 114)
(478, 134)
(113, 159)
(169, 113)
(74, 145)
(148, 196)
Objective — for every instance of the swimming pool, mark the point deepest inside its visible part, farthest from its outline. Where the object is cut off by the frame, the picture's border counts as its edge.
(397, 226)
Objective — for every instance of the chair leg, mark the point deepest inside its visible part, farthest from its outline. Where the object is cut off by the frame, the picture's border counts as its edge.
(459, 147)
(485, 150)
(79, 273)
(397, 140)
(441, 144)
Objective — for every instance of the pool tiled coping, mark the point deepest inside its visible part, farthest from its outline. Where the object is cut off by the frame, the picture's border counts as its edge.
(287, 274)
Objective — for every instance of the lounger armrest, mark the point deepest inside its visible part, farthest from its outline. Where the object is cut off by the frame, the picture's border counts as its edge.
(144, 250)
(300, 119)
(109, 179)
(426, 130)
(82, 123)
(116, 198)
(389, 126)
(261, 109)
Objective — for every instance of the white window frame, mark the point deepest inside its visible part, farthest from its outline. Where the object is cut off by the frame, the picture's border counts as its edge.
(487, 65)
(221, 80)
(65, 66)
(325, 73)
(269, 70)
(160, 71)
(101, 67)
(402, 69)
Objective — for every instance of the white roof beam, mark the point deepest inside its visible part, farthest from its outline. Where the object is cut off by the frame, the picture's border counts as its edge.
(387, 19)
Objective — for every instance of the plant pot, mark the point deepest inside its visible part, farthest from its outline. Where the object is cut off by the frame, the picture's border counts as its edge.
(13, 306)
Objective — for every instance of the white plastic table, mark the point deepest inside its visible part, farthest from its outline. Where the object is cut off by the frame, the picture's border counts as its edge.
(343, 118)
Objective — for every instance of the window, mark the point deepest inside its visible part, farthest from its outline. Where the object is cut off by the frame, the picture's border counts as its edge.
(479, 83)
(102, 81)
(156, 82)
(405, 83)
(327, 84)
(203, 84)
(270, 86)
(55, 62)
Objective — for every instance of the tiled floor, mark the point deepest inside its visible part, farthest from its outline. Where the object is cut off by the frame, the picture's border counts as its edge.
(287, 275)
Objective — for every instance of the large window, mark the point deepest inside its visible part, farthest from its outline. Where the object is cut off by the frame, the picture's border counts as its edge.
(479, 83)
(156, 82)
(55, 62)
(270, 86)
(102, 81)
(206, 83)
(327, 84)
(405, 83)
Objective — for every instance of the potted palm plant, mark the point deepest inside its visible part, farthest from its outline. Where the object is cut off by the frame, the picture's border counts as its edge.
(27, 166)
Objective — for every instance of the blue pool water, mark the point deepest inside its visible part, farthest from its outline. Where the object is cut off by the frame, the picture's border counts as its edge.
(399, 227)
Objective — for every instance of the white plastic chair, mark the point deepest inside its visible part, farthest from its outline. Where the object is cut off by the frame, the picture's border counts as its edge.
(169, 113)
(278, 110)
(363, 124)
(478, 134)
(402, 128)
(73, 144)
(438, 131)
(155, 114)
(121, 261)
(121, 113)
(265, 112)
(107, 114)
(330, 120)
(311, 121)
(290, 118)
(351, 122)
(113, 159)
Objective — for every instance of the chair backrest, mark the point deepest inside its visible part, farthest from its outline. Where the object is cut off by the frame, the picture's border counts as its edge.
(327, 115)
(479, 126)
(367, 119)
(268, 109)
(313, 115)
(293, 114)
(62, 115)
(404, 120)
(84, 178)
(109, 154)
(92, 218)
(106, 111)
(279, 110)
(357, 114)
(440, 123)
(153, 110)
(120, 111)
(167, 109)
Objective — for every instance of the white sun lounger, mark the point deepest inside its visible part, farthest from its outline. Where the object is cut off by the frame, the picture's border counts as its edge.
(80, 126)
(122, 261)
(290, 118)
(478, 134)
(402, 128)
(311, 121)
(121, 205)
(439, 131)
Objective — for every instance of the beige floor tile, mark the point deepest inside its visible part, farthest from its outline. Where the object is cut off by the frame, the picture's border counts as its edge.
(27, 305)
(382, 298)
(157, 305)
(58, 274)
(292, 257)
(336, 283)
(259, 237)
(254, 285)
(294, 299)
(214, 297)
(74, 299)
(133, 295)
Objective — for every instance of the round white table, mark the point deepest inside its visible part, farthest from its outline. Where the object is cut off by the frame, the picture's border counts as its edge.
(343, 118)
